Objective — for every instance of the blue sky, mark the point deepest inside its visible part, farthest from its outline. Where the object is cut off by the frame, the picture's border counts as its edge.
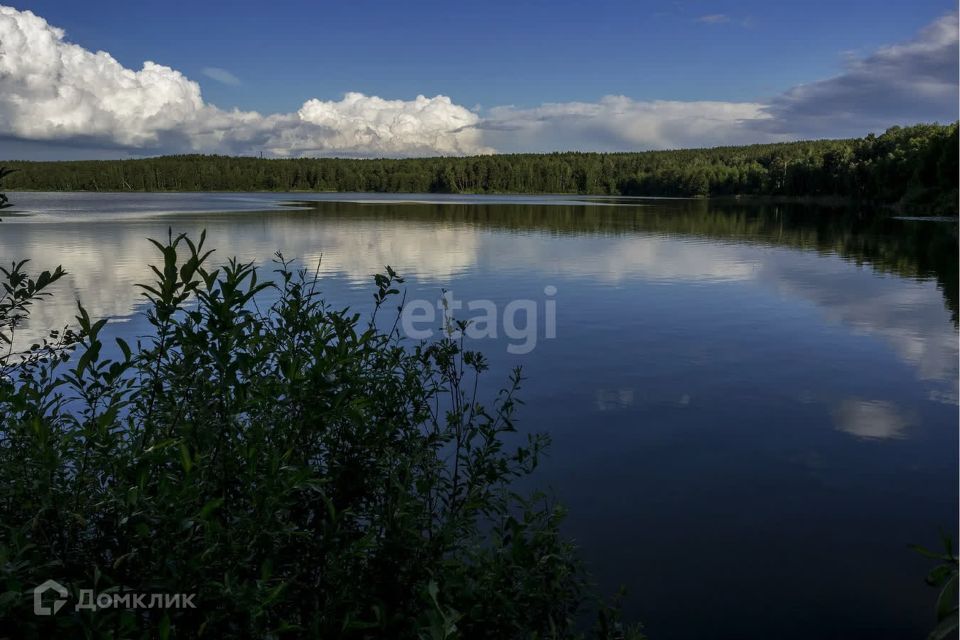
(490, 53)
(485, 56)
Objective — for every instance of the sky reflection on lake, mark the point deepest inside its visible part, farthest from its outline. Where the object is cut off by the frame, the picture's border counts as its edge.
(748, 404)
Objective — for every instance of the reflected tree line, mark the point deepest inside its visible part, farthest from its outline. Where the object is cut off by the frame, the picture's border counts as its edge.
(914, 167)
(907, 248)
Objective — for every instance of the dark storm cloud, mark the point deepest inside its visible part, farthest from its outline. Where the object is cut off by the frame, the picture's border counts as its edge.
(902, 84)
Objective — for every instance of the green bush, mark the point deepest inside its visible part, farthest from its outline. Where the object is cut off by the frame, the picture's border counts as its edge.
(302, 472)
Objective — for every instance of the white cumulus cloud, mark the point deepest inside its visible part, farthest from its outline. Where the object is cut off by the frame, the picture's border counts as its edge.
(363, 124)
(66, 97)
(53, 90)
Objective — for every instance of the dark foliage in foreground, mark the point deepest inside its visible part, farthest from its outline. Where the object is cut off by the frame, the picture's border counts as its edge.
(944, 576)
(915, 167)
(299, 470)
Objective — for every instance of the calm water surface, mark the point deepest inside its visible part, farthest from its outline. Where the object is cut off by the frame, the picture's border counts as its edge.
(753, 408)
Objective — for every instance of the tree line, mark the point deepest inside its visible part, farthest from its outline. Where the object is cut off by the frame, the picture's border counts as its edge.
(912, 166)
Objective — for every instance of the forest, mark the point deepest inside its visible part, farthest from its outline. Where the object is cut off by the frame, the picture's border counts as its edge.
(914, 168)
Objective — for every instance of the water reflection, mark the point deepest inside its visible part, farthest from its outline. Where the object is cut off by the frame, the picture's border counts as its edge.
(871, 419)
(613, 399)
(827, 258)
(775, 384)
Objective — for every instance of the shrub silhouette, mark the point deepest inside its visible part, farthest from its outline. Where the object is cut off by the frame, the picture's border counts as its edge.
(298, 469)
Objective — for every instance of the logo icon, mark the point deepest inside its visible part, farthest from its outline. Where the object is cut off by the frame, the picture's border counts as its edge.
(39, 608)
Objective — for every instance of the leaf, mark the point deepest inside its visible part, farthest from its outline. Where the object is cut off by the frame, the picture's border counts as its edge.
(124, 347)
(87, 357)
(209, 508)
(926, 552)
(947, 628)
(185, 458)
(947, 602)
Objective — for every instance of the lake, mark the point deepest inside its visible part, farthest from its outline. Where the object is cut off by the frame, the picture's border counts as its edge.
(753, 407)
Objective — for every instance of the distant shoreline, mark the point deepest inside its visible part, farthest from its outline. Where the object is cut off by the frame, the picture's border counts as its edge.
(814, 200)
(911, 169)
